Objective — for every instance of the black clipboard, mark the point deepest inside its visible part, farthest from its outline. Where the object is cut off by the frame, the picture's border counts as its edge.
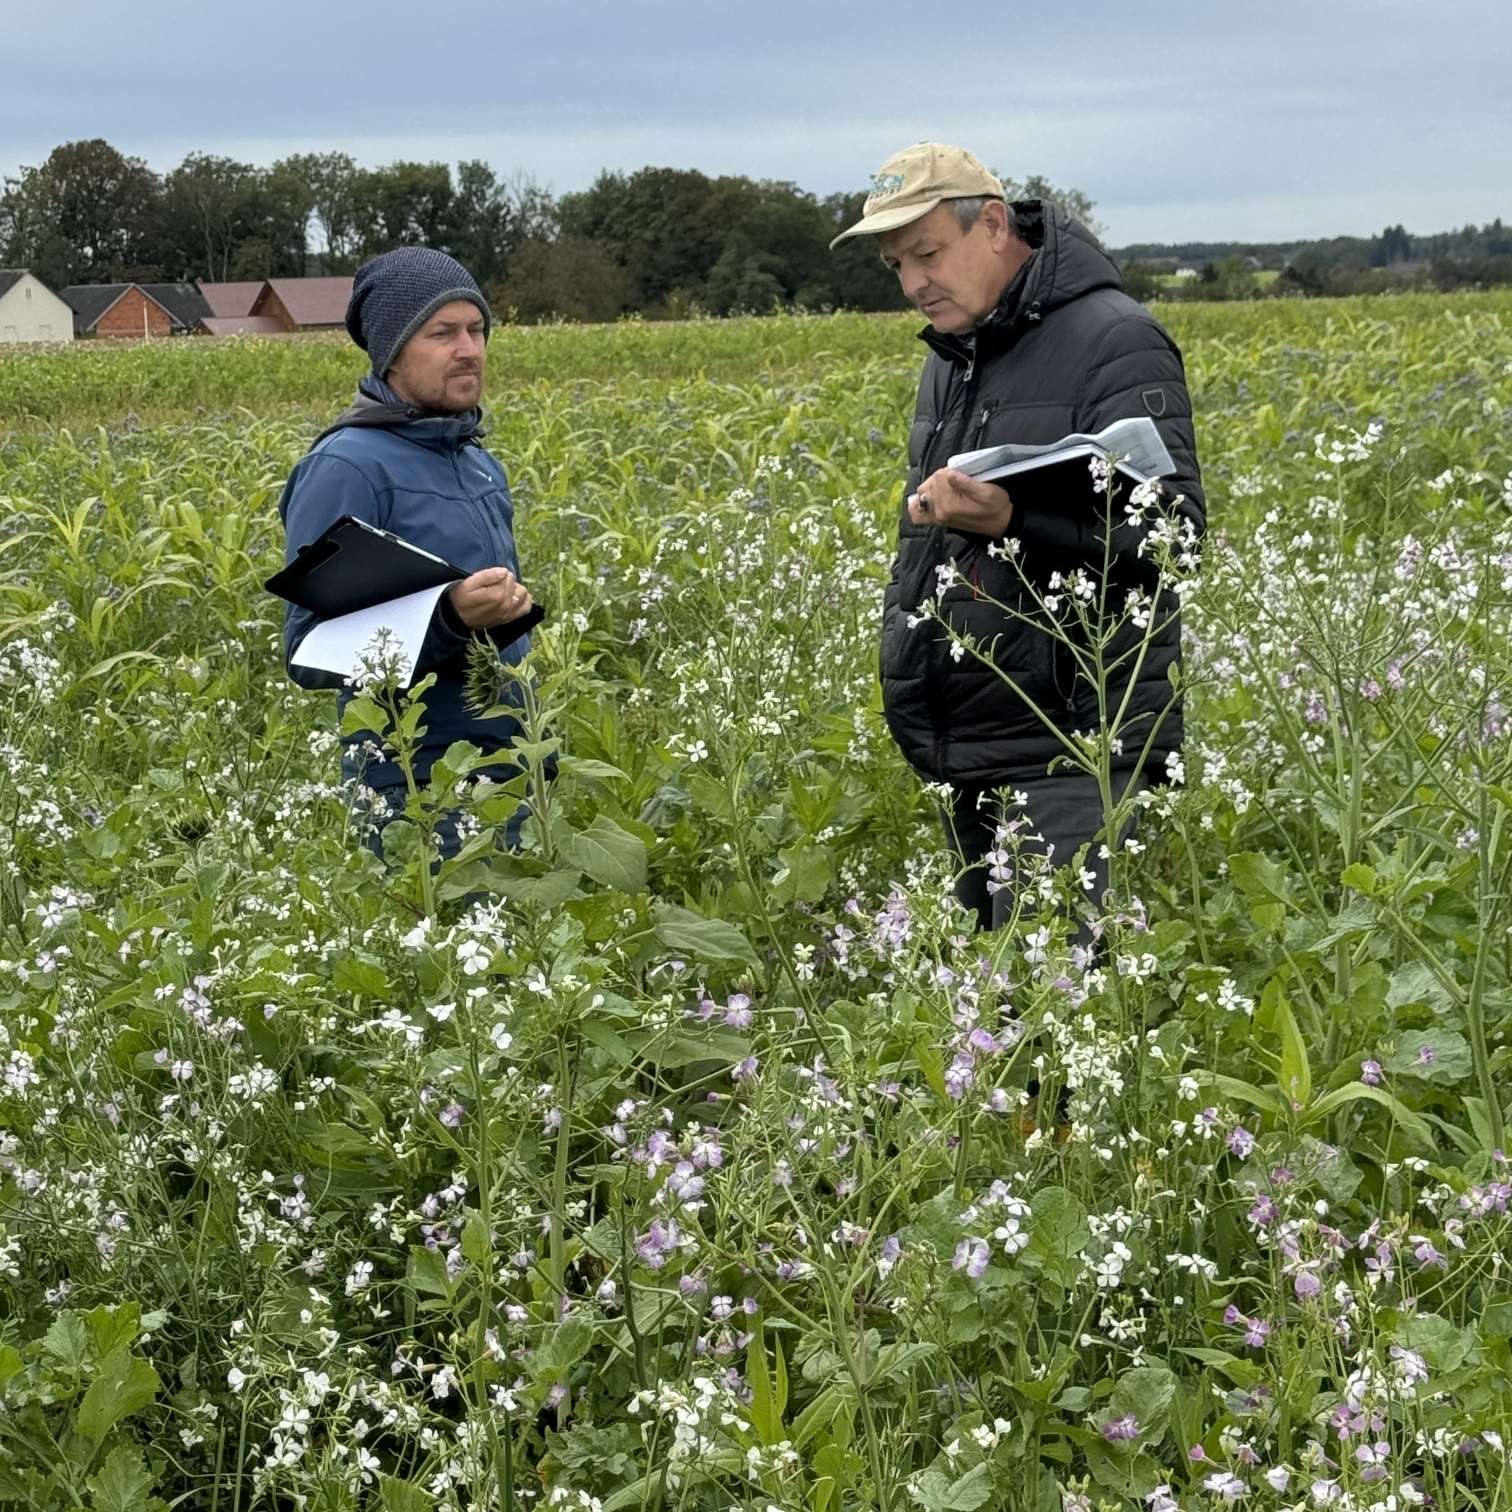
(353, 565)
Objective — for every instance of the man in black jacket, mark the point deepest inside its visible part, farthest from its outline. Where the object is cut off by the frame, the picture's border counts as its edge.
(1031, 339)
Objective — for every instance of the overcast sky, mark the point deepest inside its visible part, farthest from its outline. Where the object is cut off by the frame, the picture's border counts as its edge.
(1188, 121)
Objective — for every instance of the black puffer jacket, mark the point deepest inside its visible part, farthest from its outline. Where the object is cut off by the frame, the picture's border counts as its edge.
(1066, 350)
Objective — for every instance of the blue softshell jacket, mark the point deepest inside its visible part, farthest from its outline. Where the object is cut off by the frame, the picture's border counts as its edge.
(428, 479)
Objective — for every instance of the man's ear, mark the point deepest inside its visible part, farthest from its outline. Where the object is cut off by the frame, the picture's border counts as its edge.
(995, 220)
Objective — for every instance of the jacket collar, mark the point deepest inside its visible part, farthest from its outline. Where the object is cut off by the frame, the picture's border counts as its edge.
(377, 406)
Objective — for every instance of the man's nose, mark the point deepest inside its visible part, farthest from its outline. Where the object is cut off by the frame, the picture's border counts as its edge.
(914, 281)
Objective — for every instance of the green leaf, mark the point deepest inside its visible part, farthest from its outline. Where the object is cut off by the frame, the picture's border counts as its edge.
(123, 1483)
(1294, 1075)
(1058, 1233)
(1331, 1102)
(766, 1416)
(608, 1039)
(1415, 983)
(935, 1492)
(477, 1244)
(1235, 1090)
(126, 1384)
(361, 979)
(806, 871)
(562, 1348)
(610, 855)
(11, 1365)
(1262, 881)
(681, 929)
(1144, 1393)
(397, 1495)
(583, 766)
(1440, 1343)
(547, 892)
(1360, 877)
(66, 1341)
(427, 1273)
(1441, 1056)
(364, 714)
(113, 1327)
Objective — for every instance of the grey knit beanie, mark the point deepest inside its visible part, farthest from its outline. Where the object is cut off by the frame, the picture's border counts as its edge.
(397, 292)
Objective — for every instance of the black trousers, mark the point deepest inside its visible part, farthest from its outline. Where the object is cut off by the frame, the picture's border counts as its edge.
(1064, 812)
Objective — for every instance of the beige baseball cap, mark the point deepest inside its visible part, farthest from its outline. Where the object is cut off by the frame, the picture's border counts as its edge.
(912, 182)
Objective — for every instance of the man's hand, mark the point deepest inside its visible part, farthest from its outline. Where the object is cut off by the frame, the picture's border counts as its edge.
(955, 499)
(494, 596)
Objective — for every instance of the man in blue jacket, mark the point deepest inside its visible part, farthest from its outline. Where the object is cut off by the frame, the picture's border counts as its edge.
(408, 457)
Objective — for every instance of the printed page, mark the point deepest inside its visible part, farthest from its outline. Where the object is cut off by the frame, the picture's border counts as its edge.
(339, 645)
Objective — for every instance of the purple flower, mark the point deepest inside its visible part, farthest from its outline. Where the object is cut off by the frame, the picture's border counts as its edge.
(1240, 1141)
(1425, 1254)
(971, 1255)
(746, 1070)
(1120, 1430)
(738, 1011)
(959, 1076)
(1426, 1055)
(1257, 1331)
(1316, 711)
(1306, 1285)
(1370, 1073)
(451, 1115)
(657, 1243)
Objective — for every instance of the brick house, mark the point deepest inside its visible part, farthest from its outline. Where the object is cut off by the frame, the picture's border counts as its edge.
(128, 309)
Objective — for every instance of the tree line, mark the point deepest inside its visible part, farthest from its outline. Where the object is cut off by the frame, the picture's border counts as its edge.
(658, 241)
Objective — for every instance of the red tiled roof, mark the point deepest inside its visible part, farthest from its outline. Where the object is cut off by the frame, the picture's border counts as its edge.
(229, 299)
(240, 325)
(313, 301)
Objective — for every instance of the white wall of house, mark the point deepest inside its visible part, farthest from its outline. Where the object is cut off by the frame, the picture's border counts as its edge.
(30, 311)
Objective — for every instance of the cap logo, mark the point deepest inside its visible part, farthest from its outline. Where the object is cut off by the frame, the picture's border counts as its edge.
(884, 184)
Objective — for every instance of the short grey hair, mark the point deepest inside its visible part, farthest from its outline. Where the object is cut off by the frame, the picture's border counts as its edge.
(968, 211)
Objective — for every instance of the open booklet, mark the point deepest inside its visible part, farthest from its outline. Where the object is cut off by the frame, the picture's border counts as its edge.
(1135, 442)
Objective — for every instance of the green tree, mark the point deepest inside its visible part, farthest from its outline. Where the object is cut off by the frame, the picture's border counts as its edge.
(330, 180)
(88, 214)
(209, 210)
(403, 205)
(1075, 202)
(569, 278)
(1140, 281)
(857, 275)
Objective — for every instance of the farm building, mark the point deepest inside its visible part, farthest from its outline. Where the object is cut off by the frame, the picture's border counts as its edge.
(30, 311)
(304, 304)
(239, 325)
(128, 309)
(230, 301)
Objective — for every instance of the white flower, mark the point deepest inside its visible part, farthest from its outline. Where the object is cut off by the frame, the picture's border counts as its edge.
(472, 957)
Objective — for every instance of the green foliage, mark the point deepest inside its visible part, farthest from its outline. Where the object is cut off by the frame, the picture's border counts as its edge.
(692, 1154)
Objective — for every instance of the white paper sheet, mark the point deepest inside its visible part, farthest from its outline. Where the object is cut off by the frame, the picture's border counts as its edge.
(337, 645)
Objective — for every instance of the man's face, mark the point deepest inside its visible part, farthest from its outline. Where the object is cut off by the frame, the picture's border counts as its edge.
(440, 368)
(954, 278)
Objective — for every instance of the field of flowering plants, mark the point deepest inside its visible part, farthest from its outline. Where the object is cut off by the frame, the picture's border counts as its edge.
(687, 1158)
